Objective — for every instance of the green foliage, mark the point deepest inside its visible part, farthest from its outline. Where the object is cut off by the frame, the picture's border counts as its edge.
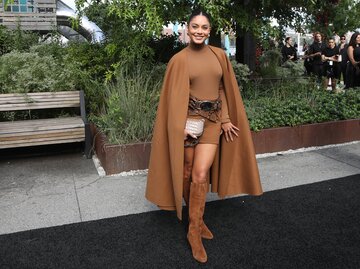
(28, 72)
(130, 108)
(48, 67)
(16, 40)
(297, 104)
(269, 63)
(165, 47)
(242, 72)
(339, 16)
(293, 69)
(270, 66)
(54, 49)
(90, 57)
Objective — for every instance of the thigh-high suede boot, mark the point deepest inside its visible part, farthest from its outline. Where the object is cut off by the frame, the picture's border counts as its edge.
(196, 201)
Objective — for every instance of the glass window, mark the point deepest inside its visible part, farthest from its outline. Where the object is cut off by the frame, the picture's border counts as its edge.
(19, 5)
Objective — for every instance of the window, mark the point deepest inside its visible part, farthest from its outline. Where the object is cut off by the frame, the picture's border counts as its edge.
(23, 6)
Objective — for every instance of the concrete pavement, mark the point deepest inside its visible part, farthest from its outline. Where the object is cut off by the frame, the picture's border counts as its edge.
(37, 192)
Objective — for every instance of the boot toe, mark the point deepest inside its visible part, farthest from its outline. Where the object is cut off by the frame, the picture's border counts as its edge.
(200, 257)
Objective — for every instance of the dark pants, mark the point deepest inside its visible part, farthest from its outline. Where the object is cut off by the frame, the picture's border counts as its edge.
(308, 66)
(317, 69)
(342, 72)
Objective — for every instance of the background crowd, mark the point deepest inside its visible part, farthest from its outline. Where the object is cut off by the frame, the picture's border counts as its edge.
(329, 61)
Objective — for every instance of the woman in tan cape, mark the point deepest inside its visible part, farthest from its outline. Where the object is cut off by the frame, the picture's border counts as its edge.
(200, 84)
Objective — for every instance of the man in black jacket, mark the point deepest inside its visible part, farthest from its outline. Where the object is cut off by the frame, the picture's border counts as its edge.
(315, 50)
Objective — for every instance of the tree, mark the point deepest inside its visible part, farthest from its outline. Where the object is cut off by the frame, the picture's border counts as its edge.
(130, 24)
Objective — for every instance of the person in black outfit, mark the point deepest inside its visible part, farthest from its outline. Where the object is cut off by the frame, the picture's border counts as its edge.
(315, 50)
(307, 60)
(330, 56)
(288, 51)
(353, 66)
(344, 58)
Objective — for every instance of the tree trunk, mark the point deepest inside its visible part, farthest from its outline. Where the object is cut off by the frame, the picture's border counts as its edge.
(246, 49)
(215, 38)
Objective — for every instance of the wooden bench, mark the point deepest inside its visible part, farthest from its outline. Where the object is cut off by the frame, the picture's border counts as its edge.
(34, 132)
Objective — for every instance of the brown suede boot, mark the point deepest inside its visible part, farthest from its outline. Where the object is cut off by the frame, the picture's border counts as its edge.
(205, 232)
(186, 189)
(197, 199)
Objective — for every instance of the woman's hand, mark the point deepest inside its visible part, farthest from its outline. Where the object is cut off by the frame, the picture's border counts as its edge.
(229, 130)
(187, 133)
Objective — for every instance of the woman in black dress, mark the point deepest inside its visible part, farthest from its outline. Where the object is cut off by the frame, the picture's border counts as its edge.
(353, 67)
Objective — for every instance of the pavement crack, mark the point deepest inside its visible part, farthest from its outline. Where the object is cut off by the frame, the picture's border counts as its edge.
(77, 198)
(90, 183)
(341, 161)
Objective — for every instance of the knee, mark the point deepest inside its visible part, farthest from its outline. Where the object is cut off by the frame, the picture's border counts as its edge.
(199, 176)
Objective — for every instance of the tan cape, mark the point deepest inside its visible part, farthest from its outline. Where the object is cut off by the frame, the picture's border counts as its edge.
(234, 170)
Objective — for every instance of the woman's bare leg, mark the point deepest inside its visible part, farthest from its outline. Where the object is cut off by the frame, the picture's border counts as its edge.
(203, 158)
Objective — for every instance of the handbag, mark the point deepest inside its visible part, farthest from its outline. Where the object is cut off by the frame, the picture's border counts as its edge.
(195, 126)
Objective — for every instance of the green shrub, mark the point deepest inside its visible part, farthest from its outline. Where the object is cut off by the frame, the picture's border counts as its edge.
(269, 63)
(307, 106)
(28, 72)
(16, 40)
(130, 108)
(242, 72)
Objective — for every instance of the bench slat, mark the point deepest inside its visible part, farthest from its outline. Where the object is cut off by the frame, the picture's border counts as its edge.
(78, 132)
(63, 93)
(40, 125)
(22, 100)
(17, 101)
(38, 143)
(26, 106)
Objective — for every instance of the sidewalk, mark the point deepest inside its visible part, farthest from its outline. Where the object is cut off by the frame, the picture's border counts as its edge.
(40, 192)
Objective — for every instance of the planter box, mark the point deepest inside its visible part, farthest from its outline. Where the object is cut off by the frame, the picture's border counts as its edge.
(308, 135)
(121, 158)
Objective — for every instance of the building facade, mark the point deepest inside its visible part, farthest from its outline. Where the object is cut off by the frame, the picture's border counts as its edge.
(30, 15)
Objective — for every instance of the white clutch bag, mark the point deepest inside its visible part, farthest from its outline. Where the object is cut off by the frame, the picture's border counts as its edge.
(195, 126)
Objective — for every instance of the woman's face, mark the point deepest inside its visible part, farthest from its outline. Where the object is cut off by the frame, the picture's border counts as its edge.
(199, 29)
(331, 43)
(318, 37)
(358, 39)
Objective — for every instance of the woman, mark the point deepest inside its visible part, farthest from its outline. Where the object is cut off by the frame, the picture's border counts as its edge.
(343, 46)
(330, 56)
(288, 52)
(200, 83)
(353, 67)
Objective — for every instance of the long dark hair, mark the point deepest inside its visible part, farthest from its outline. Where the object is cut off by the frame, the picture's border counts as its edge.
(197, 12)
(353, 39)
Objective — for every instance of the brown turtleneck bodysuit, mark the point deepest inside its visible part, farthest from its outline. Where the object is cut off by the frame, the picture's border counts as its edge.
(206, 77)
(206, 84)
